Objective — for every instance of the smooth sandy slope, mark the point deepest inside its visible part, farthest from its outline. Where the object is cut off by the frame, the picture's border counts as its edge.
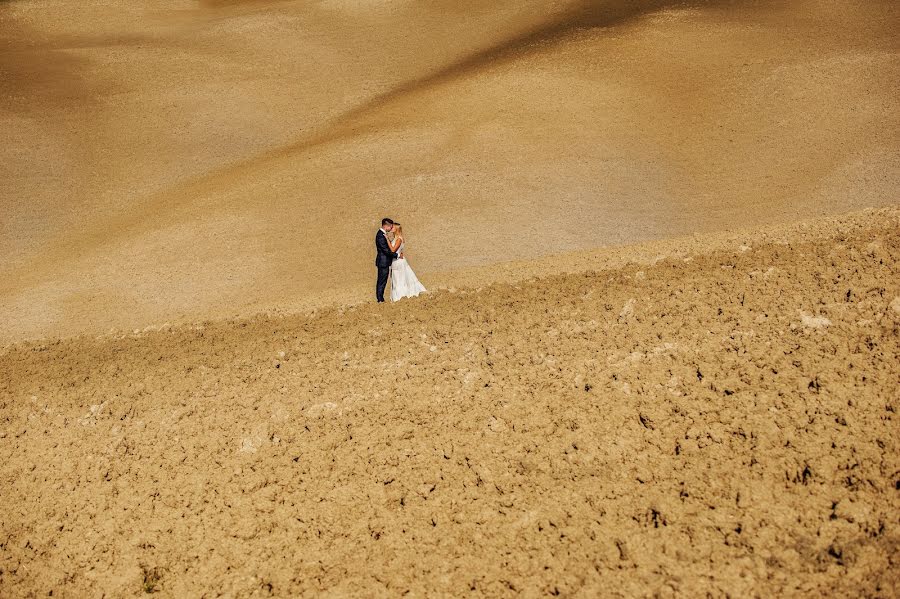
(706, 421)
(168, 161)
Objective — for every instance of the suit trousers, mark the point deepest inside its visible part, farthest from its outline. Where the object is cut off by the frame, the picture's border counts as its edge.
(383, 273)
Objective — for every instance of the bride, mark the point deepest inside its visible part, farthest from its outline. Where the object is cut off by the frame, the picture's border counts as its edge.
(403, 280)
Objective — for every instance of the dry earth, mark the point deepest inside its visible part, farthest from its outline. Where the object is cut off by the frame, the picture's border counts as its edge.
(179, 160)
(695, 414)
(717, 422)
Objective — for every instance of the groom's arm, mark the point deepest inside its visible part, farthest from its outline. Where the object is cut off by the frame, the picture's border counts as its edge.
(382, 244)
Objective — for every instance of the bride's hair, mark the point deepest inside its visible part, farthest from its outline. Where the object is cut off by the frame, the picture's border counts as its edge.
(398, 230)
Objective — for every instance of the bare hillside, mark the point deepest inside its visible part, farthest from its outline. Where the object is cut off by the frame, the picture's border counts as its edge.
(180, 160)
(716, 422)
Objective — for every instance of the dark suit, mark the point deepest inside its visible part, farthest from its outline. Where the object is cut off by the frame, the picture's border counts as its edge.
(383, 260)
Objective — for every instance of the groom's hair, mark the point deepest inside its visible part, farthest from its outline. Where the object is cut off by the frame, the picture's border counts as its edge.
(386, 221)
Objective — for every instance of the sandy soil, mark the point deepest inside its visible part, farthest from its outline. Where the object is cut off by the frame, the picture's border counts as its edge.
(178, 160)
(661, 353)
(709, 421)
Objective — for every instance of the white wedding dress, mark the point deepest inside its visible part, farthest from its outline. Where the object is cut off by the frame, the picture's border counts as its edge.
(404, 282)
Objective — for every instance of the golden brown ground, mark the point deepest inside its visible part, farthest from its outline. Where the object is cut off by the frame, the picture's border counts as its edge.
(169, 161)
(709, 421)
(705, 412)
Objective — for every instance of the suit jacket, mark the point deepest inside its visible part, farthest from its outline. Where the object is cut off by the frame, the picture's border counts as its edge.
(385, 256)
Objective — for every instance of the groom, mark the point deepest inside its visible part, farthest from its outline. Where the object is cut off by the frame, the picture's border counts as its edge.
(383, 258)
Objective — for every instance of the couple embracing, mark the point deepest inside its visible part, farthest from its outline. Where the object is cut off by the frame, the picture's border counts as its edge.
(391, 263)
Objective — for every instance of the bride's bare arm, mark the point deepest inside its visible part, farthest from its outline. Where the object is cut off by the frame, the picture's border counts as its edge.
(395, 243)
